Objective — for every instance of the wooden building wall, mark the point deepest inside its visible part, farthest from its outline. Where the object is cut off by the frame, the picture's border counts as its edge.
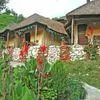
(42, 36)
(82, 39)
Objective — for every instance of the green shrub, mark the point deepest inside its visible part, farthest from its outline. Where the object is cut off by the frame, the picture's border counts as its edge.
(64, 86)
(91, 50)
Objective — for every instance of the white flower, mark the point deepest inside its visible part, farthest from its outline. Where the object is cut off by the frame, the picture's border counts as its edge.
(16, 54)
(53, 54)
(77, 52)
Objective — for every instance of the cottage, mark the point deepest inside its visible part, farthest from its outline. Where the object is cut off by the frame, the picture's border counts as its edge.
(35, 29)
(83, 21)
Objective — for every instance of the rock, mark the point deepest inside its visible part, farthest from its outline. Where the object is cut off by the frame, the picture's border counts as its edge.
(92, 92)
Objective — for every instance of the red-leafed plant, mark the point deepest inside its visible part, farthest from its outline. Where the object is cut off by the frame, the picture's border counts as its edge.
(41, 68)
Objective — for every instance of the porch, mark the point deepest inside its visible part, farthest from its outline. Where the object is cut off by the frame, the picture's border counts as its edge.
(78, 27)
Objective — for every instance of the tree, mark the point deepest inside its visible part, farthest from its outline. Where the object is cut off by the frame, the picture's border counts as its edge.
(9, 17)
(20, 18)
(8, 11)
(3, 4)
(13, 12)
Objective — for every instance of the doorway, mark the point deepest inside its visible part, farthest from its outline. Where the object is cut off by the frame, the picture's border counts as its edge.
(27, 37)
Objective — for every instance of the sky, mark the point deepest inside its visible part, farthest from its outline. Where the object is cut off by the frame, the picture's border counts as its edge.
(47, 8)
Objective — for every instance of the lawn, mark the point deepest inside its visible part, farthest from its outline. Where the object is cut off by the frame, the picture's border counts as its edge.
(88, 71)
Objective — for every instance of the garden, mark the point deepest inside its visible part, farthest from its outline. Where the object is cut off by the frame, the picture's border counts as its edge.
(40, 80)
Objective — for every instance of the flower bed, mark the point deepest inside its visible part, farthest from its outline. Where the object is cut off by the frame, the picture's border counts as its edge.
(53, 53)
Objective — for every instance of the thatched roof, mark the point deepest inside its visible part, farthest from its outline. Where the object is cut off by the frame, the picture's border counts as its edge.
(35, 18)
(91, 8)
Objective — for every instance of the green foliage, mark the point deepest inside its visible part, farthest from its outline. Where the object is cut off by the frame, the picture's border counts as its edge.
(22, 83)
(63, 83)
(65, 87)
(59, 75)
(9, 17)
(6, 19)
(26, 74)
(27, 95)
(91, 50)
(48, 94)
(87, 71)
(59, 86)
(4, 77)
(19, 82)
(20, 18)
(2, 44)
(75, 89)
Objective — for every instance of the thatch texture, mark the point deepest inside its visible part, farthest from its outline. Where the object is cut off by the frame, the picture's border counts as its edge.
(90, 8)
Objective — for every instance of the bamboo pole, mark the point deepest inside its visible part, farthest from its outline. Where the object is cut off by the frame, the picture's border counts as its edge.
(35, 33)
(7, 39)
(72, 31)
(75, 34)
(44, 37)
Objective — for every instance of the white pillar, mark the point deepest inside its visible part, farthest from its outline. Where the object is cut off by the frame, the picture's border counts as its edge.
(35, 33)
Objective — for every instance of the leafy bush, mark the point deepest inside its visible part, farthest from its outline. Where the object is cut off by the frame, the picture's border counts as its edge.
(59, 86)
(1, 44)
(66, 87)
(91, 50)
(22, 82)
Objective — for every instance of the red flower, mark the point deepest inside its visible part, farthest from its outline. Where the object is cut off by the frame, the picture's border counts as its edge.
(39, 60)
(24, 50)
(43, 48)
(46, 75)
